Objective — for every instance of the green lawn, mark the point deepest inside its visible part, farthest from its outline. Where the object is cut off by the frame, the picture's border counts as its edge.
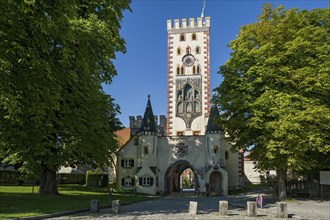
(19, 201)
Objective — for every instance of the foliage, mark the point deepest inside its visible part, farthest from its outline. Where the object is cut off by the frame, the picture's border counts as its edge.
(18, 201)
(15, 177)
(275, 95)
(71, 178)
(96, 179)
(54, 57)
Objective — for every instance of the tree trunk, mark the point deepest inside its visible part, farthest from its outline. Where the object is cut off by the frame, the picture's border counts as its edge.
(281, 186)
(48, 183)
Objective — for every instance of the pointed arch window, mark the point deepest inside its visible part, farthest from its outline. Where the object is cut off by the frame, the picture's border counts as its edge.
(193, 36)
(188, 50)
(182, 70)
(198, 50)
(194, 70)
(198, 69)
(177, 70)
(178, 51)
(182, 37)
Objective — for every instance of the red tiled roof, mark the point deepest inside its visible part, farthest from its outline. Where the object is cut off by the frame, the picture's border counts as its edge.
(123, 136)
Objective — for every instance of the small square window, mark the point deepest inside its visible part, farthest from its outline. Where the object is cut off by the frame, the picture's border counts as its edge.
(146, 150)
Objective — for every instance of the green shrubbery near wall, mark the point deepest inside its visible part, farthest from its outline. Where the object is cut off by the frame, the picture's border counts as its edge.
(14, 177)
(96, 179)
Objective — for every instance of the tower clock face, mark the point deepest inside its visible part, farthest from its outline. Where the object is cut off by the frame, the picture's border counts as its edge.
(188, 60)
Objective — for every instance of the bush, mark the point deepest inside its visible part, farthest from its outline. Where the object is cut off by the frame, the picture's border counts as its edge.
(14, 177)
(96, 179)
(71, 178)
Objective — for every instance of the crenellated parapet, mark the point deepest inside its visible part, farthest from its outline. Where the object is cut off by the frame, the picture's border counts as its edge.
(135, 124)
(190, 25)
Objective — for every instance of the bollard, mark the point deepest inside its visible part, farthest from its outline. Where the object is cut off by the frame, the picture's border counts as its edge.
(223, 207)
(282, 210)
(252, 209)
(193, 208)
(95, 205)
(115, 206)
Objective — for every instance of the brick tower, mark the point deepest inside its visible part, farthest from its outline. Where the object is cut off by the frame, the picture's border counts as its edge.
(188, 86)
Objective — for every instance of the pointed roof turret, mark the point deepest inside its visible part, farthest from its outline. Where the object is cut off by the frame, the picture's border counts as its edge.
(212, 126)
(148, 121)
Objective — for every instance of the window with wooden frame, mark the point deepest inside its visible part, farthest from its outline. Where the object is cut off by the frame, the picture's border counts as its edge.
(127, 163)
(127, 181)
(146, 181)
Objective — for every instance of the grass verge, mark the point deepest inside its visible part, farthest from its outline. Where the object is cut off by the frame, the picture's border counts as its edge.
(19, 201)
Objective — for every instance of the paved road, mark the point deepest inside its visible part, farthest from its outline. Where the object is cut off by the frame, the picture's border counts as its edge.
(177, 208)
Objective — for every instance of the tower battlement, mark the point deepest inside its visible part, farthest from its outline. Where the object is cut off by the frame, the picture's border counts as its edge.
(135, 124)
(186, 24)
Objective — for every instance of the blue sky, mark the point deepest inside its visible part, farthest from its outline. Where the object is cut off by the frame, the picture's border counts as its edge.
(142, 70)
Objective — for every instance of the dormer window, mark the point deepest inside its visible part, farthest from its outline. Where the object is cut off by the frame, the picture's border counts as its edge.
(193, 36)
(182, 37)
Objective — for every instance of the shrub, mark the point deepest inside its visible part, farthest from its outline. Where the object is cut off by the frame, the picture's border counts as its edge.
(96, 179)
(71, 178)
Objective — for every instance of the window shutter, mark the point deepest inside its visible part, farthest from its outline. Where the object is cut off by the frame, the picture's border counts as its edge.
(123, 181)
(151, 181)
(132, 163)
(140, 181)
(133, 181)
(122, 163)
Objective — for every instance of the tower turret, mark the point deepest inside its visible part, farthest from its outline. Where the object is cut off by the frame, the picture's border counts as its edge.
(148, 122)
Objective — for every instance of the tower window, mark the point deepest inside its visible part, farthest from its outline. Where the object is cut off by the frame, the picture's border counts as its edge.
(194, 69)
(198, 70)
(226, 155)
(193, 36)
(182, 70)
(215, 149)
(188, 50)
(146, 150)
(198, 50)
(182, 37)
(178, 51)
(178, 70)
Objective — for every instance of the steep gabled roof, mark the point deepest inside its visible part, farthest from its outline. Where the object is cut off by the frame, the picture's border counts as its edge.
(212, 126)
(148, 122)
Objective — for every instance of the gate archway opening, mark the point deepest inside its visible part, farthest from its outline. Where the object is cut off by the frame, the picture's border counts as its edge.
(181, 177)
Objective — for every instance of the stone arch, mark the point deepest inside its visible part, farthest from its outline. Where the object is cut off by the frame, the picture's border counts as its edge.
(172, 176)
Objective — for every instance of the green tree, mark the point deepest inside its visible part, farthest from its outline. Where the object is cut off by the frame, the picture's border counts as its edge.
(275, 94)
(54, 57)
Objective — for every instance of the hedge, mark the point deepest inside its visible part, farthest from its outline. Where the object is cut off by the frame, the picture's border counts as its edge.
(96, 179)
(14, 177)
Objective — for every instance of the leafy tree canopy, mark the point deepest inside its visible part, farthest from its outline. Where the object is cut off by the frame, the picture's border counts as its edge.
(275, 94)
(54, 57)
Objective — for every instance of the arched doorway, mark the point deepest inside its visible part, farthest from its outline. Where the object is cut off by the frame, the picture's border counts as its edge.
(180, 175)
(215, 184)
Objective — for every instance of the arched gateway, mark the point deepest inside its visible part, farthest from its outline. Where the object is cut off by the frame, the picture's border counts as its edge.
(187, 149)
(173, 182)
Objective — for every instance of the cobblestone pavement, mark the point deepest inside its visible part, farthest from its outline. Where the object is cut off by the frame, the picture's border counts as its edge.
(177, 208)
